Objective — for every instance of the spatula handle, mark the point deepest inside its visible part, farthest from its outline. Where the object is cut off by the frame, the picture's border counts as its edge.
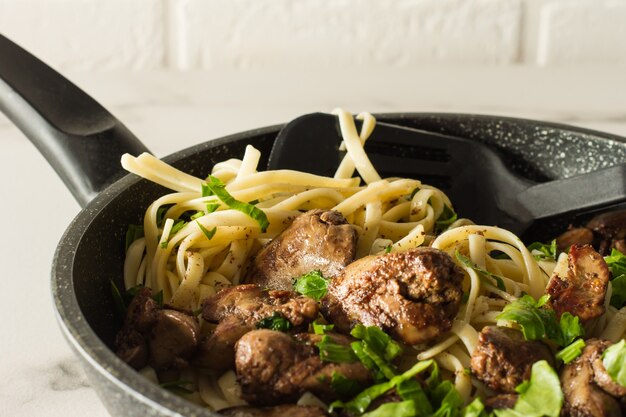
(596, 189)
(80, 139)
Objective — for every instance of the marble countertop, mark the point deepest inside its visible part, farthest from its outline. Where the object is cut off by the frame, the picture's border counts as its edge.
(171, 111)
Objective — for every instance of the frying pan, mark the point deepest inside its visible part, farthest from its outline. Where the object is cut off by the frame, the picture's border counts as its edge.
(83, 142)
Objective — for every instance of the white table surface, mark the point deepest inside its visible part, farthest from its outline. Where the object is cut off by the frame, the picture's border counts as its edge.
(39, 375)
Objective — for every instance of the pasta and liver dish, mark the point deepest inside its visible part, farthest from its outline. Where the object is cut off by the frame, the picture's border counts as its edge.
(262, 293)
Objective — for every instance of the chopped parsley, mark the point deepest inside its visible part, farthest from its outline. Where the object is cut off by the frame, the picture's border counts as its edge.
(614, 360)
(540, 396)
(319, 328)
(178, 386)
(571, 351)
(312, 285)
(360, 403)
(331, 351)
(211, 207)
(343, 386)
(537, 321)
(134, 232)
(275, 322)
(483, 274)
(446, 218)
(616, 262)
(217, 188)
(208, 233)
(541, 251)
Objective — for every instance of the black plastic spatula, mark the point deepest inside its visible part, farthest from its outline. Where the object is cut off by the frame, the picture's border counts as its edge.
(479, 184)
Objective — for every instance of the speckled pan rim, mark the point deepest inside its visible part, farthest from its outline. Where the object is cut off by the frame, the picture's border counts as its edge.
(88, 345)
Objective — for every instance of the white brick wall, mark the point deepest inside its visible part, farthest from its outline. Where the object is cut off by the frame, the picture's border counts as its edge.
(297, 34)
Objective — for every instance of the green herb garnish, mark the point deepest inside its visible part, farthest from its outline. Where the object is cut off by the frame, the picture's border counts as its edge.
(614, 360)
(543, 250)
(331, 351)
(177, 386)
(483, 274)
(197, 215)
(446, 218)
(474, 409)
(312, 285)
(571, 351)
(343, 386)
(211, 207)
(134, 232)
(208, 233)
(541, 396)
(275, 322)
(217, 187)
(319, 328)
(362, 401)
(412, 390)
(398, 409)
(118, 302)
(538, 322)
(616, 262)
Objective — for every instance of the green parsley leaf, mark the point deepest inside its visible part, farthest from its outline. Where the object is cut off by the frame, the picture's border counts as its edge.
(483, 274)
(275, 322)
(160, 217)
(571, 351)
(618, 296)
(375, 349)
(319, 328)
(312, 285)
(446, 218)
(538, 322)
(377, 340)
(398, 409)
(543, 251)
(614, 360)
(134, 232)
(208, 233)
(474, 409)
(362, 401)
(367, 361)
(118, 302)
(541, 396)
(177, 386)
(330, 351)
(388, 248)
(570, 328)
(211, 207)
(218, 188)
(411, 389)
(178, 224)
(206, 190)
(343, 386)
(197, 215)
(446, 398)
(616, 262)
(158, 297)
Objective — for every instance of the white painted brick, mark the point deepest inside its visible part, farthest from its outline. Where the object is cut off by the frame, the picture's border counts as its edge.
(286, 34)
(88, 34)
(582, 32)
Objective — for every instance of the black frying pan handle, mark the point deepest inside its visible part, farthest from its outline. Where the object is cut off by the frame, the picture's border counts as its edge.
(80, 139)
